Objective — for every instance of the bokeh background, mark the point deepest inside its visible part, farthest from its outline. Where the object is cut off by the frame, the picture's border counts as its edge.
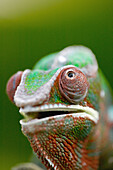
(31, 29)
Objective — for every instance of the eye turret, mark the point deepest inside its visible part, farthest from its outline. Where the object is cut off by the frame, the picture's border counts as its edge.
(73, 84)
(12, 85)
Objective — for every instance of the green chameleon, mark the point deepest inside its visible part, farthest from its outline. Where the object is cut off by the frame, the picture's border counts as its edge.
(67, 107)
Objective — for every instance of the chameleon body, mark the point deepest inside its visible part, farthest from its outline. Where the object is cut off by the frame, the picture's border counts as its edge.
(65, 102)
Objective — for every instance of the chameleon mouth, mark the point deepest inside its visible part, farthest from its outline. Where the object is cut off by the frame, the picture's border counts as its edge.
(47, 111)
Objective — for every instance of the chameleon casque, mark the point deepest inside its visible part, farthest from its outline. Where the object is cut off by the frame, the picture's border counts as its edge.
(65, 102)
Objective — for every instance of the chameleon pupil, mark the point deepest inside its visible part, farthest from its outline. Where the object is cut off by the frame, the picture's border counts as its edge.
(70, 74)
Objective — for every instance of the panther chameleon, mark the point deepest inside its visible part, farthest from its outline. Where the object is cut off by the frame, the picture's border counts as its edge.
(66, 103)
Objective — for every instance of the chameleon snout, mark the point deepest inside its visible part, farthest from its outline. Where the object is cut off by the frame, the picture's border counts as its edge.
(12, 85)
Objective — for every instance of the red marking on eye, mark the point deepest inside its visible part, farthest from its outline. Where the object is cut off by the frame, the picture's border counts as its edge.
(12, 85)
(73, 84)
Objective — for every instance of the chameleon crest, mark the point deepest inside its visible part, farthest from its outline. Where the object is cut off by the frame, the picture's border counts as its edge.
(65, 101)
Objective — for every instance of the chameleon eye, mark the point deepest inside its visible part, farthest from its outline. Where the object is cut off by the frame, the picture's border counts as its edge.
(73, 84)
(12, 85)
(71, 74)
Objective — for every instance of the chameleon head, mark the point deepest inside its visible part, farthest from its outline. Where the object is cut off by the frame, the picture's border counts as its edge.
(61, 108)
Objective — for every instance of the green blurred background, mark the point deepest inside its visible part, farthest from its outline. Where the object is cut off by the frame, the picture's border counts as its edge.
(31, 29)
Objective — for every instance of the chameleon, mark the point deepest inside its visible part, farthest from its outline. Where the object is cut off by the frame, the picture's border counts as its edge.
(66, 103)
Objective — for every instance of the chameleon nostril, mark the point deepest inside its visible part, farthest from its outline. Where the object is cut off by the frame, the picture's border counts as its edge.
(12, 85)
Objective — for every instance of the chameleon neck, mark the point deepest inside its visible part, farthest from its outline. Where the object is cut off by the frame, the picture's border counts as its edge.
(59, 149)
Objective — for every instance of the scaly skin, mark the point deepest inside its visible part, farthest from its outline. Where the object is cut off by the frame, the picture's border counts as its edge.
(65, 101)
